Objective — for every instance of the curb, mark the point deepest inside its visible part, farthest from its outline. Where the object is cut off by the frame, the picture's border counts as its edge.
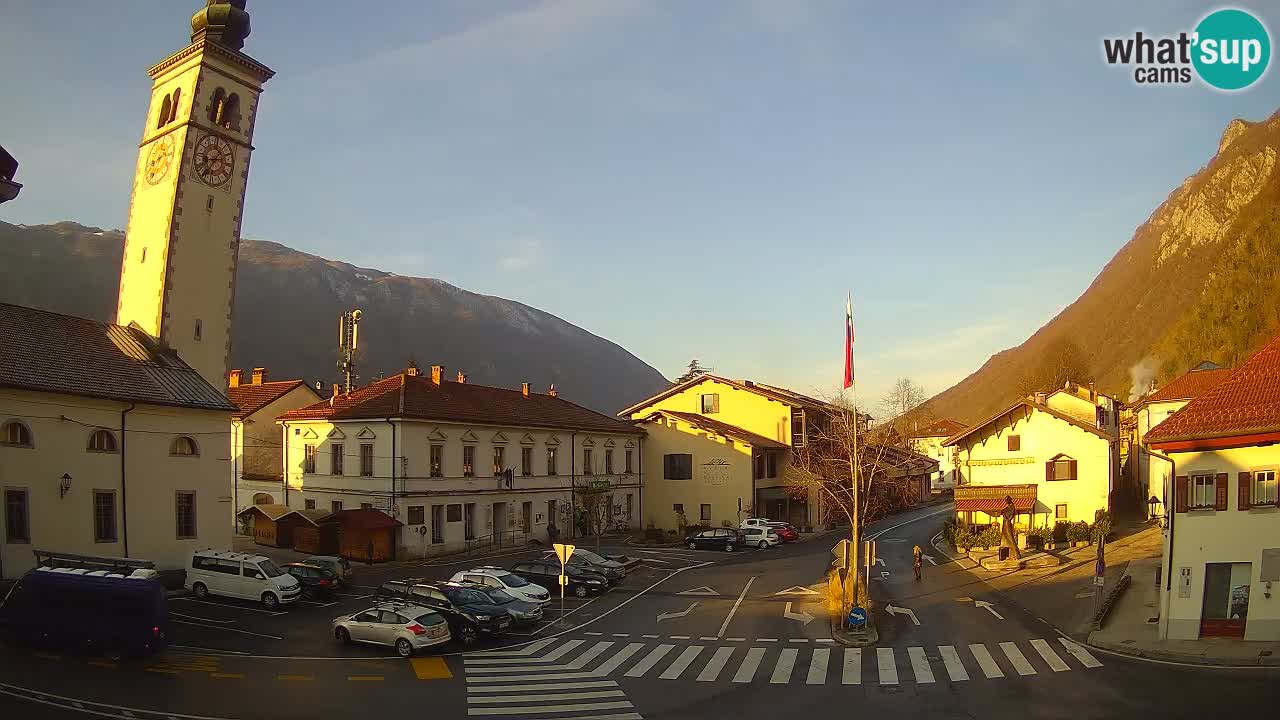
(850, 639)
(1182, 658)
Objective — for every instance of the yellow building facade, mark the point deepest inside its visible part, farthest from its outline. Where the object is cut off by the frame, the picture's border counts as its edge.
(717, 451)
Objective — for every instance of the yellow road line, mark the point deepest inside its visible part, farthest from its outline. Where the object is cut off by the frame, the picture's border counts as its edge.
(227, 676)
(430, 668)
(298, 678)
(365, 678)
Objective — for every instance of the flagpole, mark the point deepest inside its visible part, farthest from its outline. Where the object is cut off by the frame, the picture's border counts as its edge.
(853, 457)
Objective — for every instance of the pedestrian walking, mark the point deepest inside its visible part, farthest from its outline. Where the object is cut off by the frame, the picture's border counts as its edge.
(917, 560)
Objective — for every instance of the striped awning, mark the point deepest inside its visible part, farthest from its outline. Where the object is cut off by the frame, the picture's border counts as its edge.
(992, 506)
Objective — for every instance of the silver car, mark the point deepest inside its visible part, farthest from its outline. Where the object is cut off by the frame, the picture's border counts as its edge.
(408, 628)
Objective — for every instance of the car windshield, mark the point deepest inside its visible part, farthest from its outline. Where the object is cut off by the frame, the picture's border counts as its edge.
(590, 556)
(269, 568)
(499, 596)
(514, 581)
(464, 596)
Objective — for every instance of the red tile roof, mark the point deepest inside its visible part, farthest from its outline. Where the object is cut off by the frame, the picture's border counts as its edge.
(721, 428)
(1189, 386)
(416, 397)
(940, 428)
(1245, 402)
(252, 398)
(49, 352)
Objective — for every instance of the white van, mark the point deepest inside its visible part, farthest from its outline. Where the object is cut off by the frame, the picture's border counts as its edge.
(238, 575)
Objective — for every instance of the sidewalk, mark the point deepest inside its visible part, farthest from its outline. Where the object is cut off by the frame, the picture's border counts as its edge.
(1063, 596)
(1129, 629)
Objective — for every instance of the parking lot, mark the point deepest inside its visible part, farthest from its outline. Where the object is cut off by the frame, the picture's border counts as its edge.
(304, 628)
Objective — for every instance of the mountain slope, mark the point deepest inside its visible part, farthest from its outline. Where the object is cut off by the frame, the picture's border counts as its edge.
(1197, 281)
(287, 307)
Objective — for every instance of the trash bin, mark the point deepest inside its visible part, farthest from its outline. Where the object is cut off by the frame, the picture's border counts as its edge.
(1004, 553)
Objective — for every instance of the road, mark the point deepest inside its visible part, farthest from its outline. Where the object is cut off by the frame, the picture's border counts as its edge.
(692, 634)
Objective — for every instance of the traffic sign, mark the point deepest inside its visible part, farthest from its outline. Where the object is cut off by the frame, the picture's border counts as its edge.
(564, 551)
(857, 617)
(844, 574)
(841, 551)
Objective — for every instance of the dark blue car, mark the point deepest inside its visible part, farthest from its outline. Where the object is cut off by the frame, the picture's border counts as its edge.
(112, 615)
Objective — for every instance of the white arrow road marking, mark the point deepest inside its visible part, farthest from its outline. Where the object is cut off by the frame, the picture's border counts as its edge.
(804, 617)
(987, 605)
(964, 599)
(668, 616)
(902, 611)
(796, 590)
(884, 574)
(930, 559)
(704, 590)
(880, 562)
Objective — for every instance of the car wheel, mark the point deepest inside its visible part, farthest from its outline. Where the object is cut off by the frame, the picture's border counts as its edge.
(728, 548)
(200, 590)
(693, 546)
(404, 648)
(764, 544)
(469, 636)
(270, 601)
(581, 591)
(342, 635)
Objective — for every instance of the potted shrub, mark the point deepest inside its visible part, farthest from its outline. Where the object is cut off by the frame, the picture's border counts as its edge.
(989, 537)
(1041, 537)
(1060, 532)
(1078, 534)
(1101, 526)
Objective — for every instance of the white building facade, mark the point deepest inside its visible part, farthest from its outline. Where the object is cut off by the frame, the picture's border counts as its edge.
(461, 464)
(1221, 570)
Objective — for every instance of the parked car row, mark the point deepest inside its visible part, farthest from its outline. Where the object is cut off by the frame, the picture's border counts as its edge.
(760, 533)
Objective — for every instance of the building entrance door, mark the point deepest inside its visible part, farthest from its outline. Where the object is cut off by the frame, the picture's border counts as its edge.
(1226, 599)
(526, 517)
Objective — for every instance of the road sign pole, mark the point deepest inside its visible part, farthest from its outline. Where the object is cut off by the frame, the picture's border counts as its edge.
(563, 551)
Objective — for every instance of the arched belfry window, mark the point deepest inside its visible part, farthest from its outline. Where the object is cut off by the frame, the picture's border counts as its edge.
(173, 110)
(166, 106)
(217, 106)
(231, 113)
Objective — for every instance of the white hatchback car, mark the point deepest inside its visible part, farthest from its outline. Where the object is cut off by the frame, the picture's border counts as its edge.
(760, 537)
(503, 579)
(756, 522)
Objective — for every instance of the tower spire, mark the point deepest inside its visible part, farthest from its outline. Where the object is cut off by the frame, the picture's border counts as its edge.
(224, 22)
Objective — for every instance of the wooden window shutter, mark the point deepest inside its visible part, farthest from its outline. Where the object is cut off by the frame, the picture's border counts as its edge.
(1243, 499)
(1048, 471)
(1220, 489)
(1072, 465)
(1182, 489)
(715, 403)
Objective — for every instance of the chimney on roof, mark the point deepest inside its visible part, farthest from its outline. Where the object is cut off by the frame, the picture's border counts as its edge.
(552, 391)
(336, 389)
(748, 383)
(259, 375)
(524, 389)
(462, 378)
(437, 373)
(333, 396)
(233, 378)
(1093, 392)
(412, 370)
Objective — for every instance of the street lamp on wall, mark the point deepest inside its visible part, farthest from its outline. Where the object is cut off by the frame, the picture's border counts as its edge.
(1153, 505)
(65, 486)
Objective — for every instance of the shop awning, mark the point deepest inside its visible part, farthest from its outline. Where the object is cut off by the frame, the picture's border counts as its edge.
(990, 498)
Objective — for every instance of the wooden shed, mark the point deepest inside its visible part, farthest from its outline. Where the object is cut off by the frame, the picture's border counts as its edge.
(315, 532)
(360, 531)
(264, 524)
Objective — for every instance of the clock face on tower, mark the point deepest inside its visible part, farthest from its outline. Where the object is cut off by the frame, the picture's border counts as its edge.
(158, 159)
(213, 160)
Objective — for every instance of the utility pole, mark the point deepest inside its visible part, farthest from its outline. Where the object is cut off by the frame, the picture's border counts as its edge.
(348, 330)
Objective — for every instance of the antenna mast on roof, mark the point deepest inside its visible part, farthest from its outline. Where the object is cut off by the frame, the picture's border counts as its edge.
(348, 332)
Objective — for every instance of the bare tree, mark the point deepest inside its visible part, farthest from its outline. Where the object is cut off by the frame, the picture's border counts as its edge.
(594, 494)
(848, 468)
(902, 398)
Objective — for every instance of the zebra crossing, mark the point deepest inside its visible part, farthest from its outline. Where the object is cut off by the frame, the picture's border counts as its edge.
(576, 661)
(521, 683)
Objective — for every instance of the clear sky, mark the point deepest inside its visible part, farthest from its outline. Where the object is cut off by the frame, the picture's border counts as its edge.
(688, 179)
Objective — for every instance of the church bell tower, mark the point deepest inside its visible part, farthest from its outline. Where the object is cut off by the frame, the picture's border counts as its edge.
(178, 275)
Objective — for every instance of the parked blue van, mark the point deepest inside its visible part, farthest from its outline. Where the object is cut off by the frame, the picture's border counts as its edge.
(96, 611)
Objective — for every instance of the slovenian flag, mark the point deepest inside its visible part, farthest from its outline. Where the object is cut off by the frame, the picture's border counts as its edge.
(848, 343)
